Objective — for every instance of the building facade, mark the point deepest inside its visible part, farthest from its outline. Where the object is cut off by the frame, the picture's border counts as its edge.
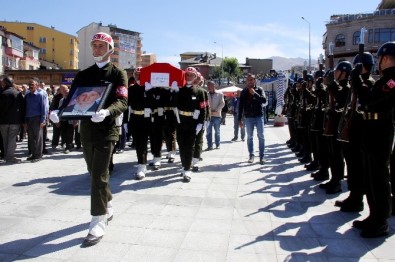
(55, 46)
(147, 59)
(127, 45)
(344, 31)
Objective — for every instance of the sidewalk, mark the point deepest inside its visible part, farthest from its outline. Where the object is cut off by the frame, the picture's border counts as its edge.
(230, 211)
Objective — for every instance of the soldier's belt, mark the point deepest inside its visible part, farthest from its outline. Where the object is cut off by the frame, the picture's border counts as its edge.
(185, 113)
(167, 108)
(137, 112)
(370, 116)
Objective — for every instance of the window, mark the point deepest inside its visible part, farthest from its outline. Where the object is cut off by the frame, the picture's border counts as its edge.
(71, 52)
(340, 40)
(381, 35)
(43, 51)
(71, 41)
(30, 28)
(355, 37)
(43, 40)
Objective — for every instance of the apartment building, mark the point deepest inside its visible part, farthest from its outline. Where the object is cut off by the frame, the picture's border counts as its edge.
(344, 31)
(127, 45)
(55, 46)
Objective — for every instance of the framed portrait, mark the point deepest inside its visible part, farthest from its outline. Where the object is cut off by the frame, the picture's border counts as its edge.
(85, 101)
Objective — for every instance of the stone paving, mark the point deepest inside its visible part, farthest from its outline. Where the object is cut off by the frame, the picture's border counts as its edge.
(230, 211)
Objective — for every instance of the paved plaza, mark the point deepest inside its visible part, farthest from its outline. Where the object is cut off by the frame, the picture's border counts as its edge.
(230, 211)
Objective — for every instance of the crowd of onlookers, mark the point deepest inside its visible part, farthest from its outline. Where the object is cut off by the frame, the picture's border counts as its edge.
(24, 115)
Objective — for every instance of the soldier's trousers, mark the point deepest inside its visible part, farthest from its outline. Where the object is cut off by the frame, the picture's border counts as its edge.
(169, 133)
(353, 155)
(156, 136)
(197, 153)
(140, 132)
(186, 135)
(97, 155)
(336, 159)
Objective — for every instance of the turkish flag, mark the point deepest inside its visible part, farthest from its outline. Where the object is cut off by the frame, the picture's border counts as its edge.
(161, 75)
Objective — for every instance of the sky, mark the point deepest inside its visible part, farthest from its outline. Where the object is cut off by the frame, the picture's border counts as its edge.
(237, 29)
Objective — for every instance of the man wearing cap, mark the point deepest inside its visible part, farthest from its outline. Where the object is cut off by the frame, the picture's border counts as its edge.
(99, 133)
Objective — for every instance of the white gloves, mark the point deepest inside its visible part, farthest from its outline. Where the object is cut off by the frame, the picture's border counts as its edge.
(53, 116)
(198, 128)
(206, 124)
(99, 116)
(148, 86)
(174, 86)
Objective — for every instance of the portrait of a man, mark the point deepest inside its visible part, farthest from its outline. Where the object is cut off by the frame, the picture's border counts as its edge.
(85, 101)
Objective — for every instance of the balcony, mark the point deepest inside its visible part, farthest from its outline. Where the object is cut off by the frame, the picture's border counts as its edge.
(13, 52)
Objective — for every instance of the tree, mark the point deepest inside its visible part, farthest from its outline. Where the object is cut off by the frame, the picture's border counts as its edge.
(231, 68)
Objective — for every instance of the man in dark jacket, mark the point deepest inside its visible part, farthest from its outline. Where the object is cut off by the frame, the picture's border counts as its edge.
(99, 133)
(251, 114)
(11, 118)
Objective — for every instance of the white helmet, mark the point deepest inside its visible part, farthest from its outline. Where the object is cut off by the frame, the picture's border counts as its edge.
(106, 38)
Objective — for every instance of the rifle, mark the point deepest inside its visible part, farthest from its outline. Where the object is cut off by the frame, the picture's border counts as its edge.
(329, 121)
(349, 110)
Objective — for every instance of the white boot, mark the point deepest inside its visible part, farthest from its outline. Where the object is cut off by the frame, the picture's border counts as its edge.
(110, 211)
(157, 163)
(141, 170)
(171, 156)
(186, 175)
(195, 161)
(98, 225)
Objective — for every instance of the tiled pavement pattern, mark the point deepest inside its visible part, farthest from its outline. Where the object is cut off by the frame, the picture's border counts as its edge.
(230, 211)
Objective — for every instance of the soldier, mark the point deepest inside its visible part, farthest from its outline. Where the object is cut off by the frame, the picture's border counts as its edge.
(378, 138)
(308, 99)
(350, 133)
(157, 95)
(140, 117)
(296, 110)
(99, 134)
(170, 122)
(338, 91)
(316, 122)
(290, 110)
(317, 128)
(197, 153)
(191, 105)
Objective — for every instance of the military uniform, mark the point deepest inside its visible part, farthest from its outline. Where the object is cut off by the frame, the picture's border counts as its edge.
(320, 141)
(353, 151)
(191, 105)
(336, 158)
(98, 139)
(197, 153)
(377, 136)
(169, 125)
(158, 97)
(140, 117)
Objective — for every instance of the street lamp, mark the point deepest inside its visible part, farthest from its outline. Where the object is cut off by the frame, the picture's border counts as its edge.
(222, 63)
(309, 43)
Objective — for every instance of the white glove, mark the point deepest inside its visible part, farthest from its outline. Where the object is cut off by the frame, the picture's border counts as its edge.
(53, 116)
(99, 116)
(174, 86)
(148, 86)
(198, 128)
